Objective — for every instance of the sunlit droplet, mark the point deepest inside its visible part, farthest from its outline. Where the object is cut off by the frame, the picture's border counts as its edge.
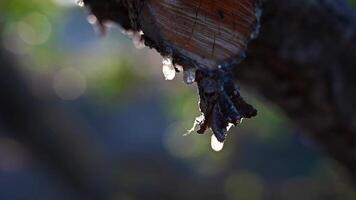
(137, 40)
(136, 37)
(189, 76)
(80, 3)
(179, 68)
(168, 69)
(92, 19)
(229, 126)
(216, 145)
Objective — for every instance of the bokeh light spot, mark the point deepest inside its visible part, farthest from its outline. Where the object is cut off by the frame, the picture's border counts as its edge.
(184, 146)
(34, 29)
(244, 185)
(69, 84)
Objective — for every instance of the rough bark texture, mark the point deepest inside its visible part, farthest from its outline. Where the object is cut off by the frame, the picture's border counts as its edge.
(303, 61)
(205, 37)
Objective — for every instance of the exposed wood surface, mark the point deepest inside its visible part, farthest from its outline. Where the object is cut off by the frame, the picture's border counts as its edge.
(303, 61)
(200, 29)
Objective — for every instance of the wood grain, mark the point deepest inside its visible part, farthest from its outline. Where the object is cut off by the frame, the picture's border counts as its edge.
(207, 30)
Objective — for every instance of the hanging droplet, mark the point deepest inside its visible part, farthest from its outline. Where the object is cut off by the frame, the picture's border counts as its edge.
(80, 3)
(92, 19)
(179, 68)
(138, 40)
(136, 37)
(229, 126)
(168, 69)
(189, 75)
(216, 145)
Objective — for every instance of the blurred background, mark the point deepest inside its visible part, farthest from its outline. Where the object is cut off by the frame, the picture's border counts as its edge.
(85, 116)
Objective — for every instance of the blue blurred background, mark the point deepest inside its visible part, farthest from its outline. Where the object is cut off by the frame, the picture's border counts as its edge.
(116, 126)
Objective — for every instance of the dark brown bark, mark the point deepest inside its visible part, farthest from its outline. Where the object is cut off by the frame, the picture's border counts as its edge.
(303, 61)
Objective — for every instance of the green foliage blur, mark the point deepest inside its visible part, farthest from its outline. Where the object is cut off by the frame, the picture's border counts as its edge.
(263, 158)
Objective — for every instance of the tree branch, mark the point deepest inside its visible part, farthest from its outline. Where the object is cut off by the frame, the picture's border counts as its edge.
(303, 61)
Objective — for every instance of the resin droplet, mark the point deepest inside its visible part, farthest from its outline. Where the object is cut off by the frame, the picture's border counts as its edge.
(168, 69)
(136, 37)
(229, 126)
(216, 145)
(189, 76)
(80, 3)
(179, 68)
(92, 19)
(138, 41)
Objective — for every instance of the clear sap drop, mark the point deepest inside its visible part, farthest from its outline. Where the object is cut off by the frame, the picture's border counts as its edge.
(216, 145)
(189, 76)
(229, 126)
(138, 41)
(92, 19)
(179, 68)
(80, 3)
(168, 69)
(136, 37)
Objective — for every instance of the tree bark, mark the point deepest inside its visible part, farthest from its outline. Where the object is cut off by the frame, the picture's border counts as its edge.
(303, 61)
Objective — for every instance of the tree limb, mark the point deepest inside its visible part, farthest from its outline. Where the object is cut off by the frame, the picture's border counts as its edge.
(303, 61)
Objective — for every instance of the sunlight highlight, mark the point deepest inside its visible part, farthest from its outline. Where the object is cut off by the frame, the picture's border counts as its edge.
(168, 69)
(80, 3)
(216, 145)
